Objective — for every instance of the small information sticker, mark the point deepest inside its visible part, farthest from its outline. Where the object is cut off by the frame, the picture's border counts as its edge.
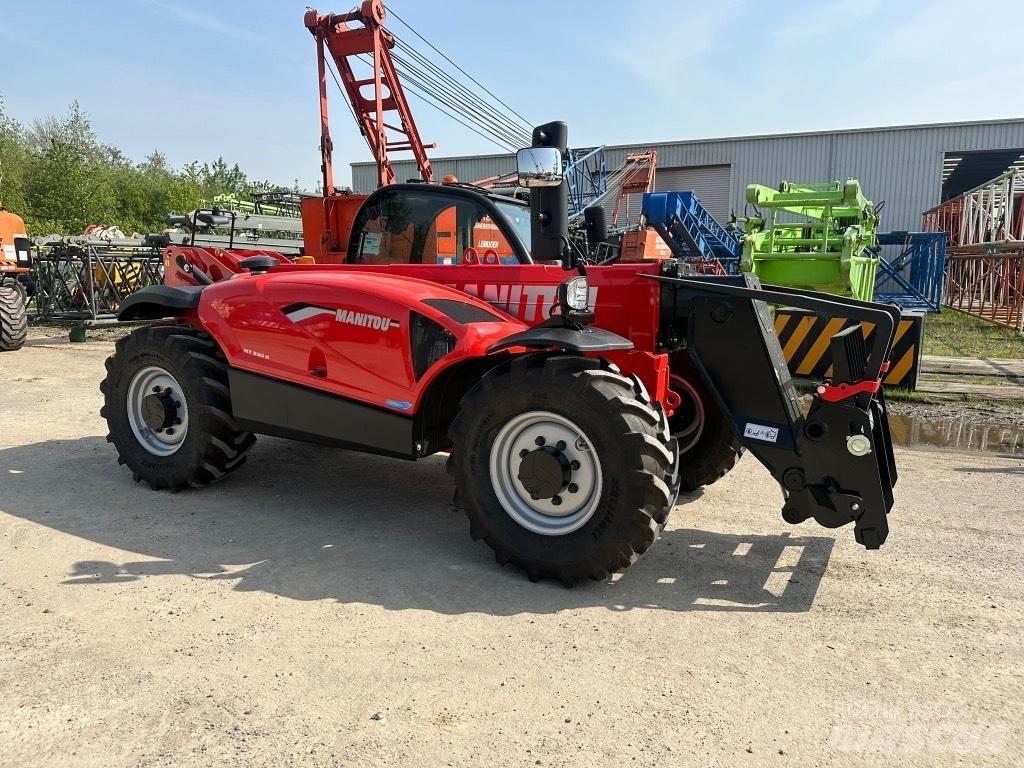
(761, 432)
(371, 244)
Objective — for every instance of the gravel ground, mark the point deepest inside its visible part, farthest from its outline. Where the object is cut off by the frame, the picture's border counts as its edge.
(327, 608)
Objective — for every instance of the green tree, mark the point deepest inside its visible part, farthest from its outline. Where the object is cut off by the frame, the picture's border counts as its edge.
(60, 178)
(13, 160)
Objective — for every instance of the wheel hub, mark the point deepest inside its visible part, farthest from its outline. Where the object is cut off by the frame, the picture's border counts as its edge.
(687, 424)
(545, 472)
(159, 410)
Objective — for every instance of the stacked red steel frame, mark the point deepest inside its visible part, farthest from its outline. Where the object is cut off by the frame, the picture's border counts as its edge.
(985, 261)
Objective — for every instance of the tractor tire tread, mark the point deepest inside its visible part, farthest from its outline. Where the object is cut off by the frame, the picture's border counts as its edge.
(647, 485)
(13, 317)
(220, 446)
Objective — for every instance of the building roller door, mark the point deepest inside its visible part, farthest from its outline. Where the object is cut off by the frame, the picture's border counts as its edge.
(709, 182)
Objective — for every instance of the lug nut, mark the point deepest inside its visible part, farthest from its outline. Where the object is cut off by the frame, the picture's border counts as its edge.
(523, 453)
(572, 488)
(177, 421)
(177, 403)
(560, 445)
(556, 500)
(170, 430)
(574, 465)
(540, 441)
(156, 389)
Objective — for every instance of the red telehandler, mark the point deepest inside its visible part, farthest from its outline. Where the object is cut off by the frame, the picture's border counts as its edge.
(576, 399)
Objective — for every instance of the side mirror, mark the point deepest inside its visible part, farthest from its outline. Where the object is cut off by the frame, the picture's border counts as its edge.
(539, 167)
(594, 220)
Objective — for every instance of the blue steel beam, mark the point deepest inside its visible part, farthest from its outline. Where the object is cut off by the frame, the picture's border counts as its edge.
(587, 177)
(689, 230)
(918, 268)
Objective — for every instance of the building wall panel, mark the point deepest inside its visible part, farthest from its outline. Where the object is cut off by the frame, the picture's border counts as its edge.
(902, 166)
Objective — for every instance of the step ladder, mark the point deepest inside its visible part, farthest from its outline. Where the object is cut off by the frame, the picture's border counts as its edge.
(692, 234)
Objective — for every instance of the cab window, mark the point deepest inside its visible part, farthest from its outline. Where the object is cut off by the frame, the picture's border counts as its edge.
(421, 227)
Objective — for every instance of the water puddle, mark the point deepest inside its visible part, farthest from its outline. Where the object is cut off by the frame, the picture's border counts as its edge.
(956, 434)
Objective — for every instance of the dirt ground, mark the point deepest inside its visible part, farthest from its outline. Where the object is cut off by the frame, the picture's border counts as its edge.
(326, 608)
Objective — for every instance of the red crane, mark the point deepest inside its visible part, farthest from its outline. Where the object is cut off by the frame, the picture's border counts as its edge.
(378, 101)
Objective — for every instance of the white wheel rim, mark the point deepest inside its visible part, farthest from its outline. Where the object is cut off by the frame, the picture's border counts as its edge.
(579, 499)
(155, 380)
(691, 431)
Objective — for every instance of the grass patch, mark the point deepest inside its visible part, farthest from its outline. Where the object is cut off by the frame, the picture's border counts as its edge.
(956, 334)
(899, 395)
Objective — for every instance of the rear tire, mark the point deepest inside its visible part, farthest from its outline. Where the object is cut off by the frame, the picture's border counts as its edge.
(714, 455)
(13, 317)
(709, 444)
(168, 409)
(621, 463)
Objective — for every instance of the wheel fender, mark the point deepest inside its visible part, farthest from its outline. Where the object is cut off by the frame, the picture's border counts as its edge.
(578, 340)
(159, 301)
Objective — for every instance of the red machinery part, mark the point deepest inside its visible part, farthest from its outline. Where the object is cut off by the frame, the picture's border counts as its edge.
(385, 118)
(834, 393)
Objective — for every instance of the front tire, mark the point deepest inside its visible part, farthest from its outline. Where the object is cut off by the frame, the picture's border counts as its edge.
(562, 467)
(168, 409)
(13, 317)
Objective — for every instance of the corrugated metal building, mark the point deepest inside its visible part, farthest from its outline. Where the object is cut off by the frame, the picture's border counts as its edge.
(909, 167)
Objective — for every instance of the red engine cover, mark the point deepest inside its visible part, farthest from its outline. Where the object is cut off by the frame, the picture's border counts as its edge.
(287, 324)
(343, 331)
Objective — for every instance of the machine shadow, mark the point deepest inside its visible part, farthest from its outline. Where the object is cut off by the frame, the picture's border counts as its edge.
(995, 470)
(309, 523)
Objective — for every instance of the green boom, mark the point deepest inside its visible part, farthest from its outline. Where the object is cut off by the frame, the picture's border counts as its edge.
(819, 236)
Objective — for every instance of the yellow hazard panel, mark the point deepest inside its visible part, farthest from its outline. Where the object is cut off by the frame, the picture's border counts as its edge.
(805, 336)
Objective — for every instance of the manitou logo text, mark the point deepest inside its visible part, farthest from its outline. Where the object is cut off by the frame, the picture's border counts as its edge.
(527, 302)
(365, 320)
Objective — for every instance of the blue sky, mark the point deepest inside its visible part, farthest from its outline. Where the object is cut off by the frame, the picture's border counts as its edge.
(200, 79)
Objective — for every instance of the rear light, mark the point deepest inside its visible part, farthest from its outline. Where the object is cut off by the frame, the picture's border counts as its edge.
(430, 342)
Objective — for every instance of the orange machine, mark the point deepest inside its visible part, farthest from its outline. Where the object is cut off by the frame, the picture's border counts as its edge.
(15, 259)
(326, 222)
(15, 254)
(643, 245)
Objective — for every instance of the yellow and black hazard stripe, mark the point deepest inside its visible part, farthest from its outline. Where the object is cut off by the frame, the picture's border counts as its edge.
(805, 337)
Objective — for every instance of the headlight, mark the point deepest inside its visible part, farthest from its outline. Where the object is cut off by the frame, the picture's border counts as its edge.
(577, 293)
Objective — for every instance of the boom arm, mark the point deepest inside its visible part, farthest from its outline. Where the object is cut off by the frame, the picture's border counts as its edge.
(384, 117)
